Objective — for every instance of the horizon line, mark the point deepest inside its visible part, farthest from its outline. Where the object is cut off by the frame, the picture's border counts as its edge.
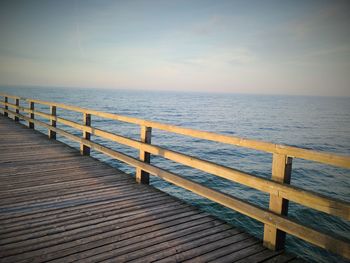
(170, 91)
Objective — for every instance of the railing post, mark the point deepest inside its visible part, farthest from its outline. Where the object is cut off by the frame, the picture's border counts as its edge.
(6, 107)
(142, 176)
(31, 115)
(17, 110)
(85, 150)
(281, 172)
(52, 134)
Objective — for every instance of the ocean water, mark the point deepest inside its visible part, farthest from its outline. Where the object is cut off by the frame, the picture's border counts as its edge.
(318, 123)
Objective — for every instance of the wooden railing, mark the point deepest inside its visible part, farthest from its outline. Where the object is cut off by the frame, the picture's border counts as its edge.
(276, 222)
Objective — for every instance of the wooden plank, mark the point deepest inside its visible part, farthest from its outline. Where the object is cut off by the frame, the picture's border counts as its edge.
(91, 234)
(12, 186)
(45, 155)
(237, 246)
(48, 227)
(81, 198)
(54, 228)
(26, 150)
(68, 210)
(222, 251)
(46, 219)
(103, 179)
(53, 191)
(259, 257)
(153, 247)
(186, 247)
(281, 172)
(11, 96)
(52, 172)
(17, 110)
(121, 237)
(91, 228)
(6, 107)
(36, 212)
(63, 192)
(50, 159)
(50, 164)
(141, 175)
(70, 196)
(201, 242)
(52, 133)
(84, 149)
(132, 240)
(25, 145)
(239, 254)
(57, 171)
(31, 115)
(53, 177)
(42, 157)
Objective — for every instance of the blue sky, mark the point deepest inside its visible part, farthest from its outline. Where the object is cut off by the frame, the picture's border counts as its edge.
(273, 47)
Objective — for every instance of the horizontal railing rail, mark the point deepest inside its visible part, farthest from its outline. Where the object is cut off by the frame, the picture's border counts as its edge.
(326, 158)
(275, 219)
(306, 198)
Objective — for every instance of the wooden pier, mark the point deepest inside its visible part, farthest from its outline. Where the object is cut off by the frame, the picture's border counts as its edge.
(61, 205)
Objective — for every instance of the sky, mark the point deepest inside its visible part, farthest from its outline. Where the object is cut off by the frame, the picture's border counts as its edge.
(299, 47)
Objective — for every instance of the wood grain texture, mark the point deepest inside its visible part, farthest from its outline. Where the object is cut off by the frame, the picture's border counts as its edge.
(84, 149)
(17, 110)
(6, 107)
(31, 115)
(52, 133)
(333, 243)
(307, 198)
(77, 209)
(275, 220)
(327, 158)
(281, 172)
(145, 137)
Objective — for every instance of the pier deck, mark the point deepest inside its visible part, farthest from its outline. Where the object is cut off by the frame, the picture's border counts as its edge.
(59, 206)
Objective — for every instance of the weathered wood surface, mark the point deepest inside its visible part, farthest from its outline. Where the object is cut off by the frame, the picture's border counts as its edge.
(311, 199)
(327, 158)
(59, 206)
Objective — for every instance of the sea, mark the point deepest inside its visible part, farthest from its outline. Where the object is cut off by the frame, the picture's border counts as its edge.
(310, 122)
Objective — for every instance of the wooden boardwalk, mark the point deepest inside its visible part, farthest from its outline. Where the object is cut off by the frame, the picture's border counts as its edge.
(59, 206)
